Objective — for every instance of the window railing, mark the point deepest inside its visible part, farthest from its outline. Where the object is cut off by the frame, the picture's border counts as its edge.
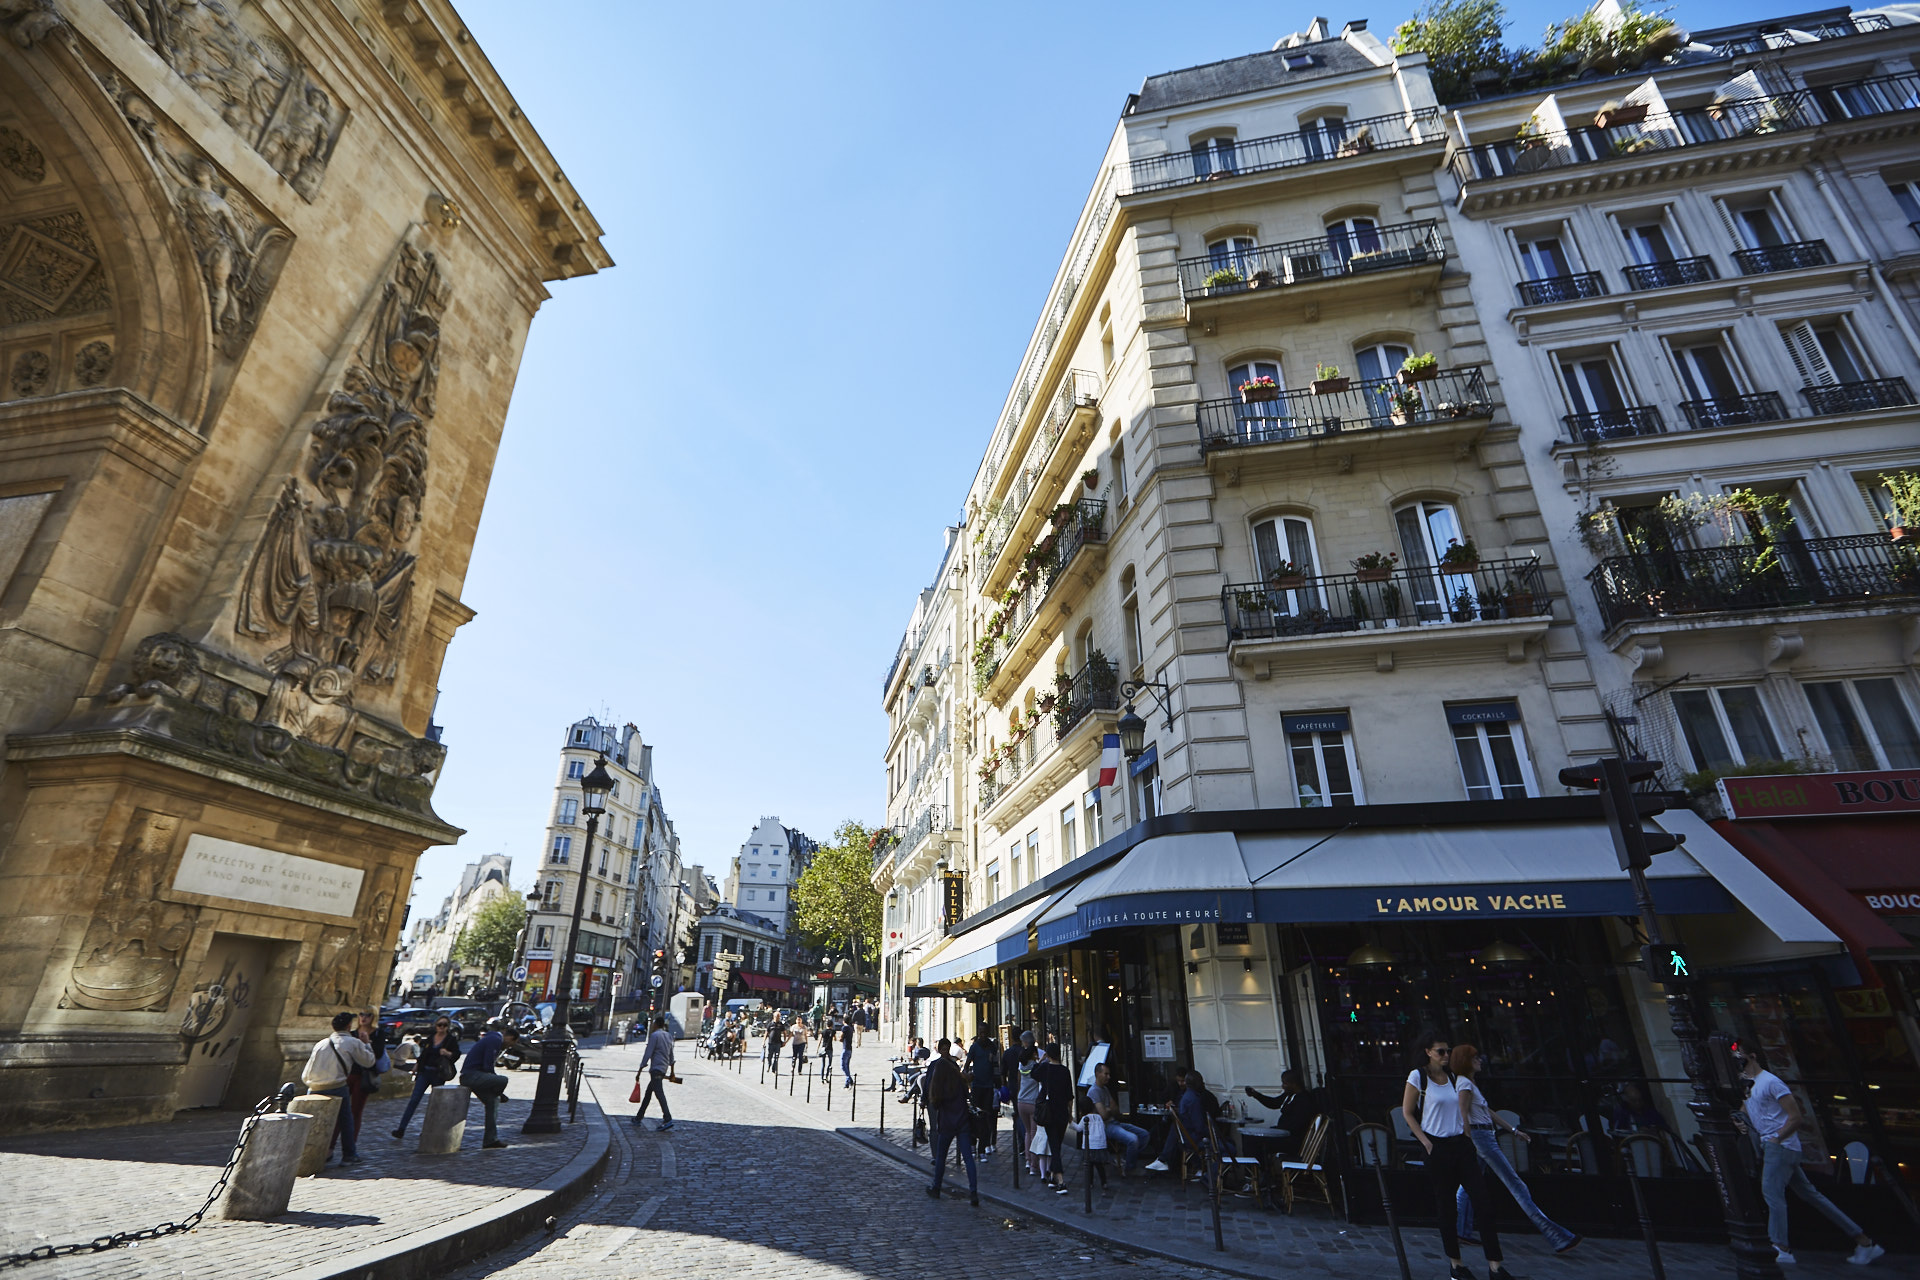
(1285, 150)
(1615, 424)
(931, 818)
(1333, 256)
(1079, 389)
(1873, 96)
(1736, 118)
(1587, 284)
(1761, 41)
(1734, 411)
(1783, 257)
(1857, 397)
(1408, 596)
(1748, 576)
(1079, 696)
(1665, 275)
(1085, 523)
(1382, 404)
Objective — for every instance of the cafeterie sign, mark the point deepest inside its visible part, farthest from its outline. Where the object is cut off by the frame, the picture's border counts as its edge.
(1821, 795)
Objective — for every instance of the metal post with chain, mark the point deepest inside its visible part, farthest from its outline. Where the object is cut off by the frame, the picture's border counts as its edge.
(273, 1103)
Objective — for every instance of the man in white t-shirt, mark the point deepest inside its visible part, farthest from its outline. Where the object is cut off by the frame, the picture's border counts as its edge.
(1776, 1119)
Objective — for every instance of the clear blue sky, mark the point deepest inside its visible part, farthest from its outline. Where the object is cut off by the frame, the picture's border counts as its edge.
(729, 458)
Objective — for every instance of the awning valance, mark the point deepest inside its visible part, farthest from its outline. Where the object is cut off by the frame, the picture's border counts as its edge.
(764, 981)
(987, 946)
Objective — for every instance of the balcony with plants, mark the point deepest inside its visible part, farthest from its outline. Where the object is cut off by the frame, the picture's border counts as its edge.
(1060, 737)
(1339, 257)
(1760, 568)
(1073, 548)
(1421, 399)
(1331, 142)
(1040, 483)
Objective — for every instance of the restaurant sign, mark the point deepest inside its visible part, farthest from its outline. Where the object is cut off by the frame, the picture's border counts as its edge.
(1907, 903)
(1820, 795)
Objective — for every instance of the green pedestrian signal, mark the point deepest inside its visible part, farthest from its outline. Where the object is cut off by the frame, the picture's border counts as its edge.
(1667, 964)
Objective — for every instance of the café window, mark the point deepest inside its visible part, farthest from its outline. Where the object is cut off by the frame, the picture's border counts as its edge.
(1725, 726)
(1492, 747)
(1321, 746)
(1867, 724)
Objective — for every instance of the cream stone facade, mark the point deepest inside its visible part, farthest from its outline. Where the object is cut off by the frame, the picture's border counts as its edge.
(266, 277)
(435, 939)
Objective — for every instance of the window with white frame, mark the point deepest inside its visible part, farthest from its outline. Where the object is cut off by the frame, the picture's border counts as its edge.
(1878, 495)
(1213, 155)
(543, 937)
(1321, 746)
(1906, 194)
(1492, 748)
(1013, 866)
(1757, 221)
(1323, 135)
(1255, 419)
(1069, 846)
(1824, 354)
(1145, 783)
(1033, 855)
(993, 881)
(597, 895)
(1351, 235)
(1593, 387)
(1092, 805)
(562, 847)
(576, 768)
(1725, 726)
(1651, 238)
(1426, 530)
(1868, 724)
(1283, 550)
(569, 811)
(1544, 253)
(579, 735)
(1232, 253)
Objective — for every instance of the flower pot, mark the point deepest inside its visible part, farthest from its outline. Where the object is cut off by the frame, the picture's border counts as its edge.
(1330, 386)
(1458, 564)
(1259, 395)
(1461, 615)
(1373, 575)
(1520, 604)
(1410, 376)
(1899, 533)
(1288, 582)
(1091, 479)
(1400, 417)
(1632, 113)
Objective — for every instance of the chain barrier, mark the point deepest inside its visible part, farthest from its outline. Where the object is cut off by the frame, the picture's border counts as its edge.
(273, 1102)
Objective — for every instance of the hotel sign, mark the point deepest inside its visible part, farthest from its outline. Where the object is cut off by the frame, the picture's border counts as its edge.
(1821, 795)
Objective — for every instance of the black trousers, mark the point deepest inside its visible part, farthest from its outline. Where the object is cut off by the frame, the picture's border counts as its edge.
(1454, 1164)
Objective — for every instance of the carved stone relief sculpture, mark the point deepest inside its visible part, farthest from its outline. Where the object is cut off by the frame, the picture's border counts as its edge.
(130, 956)
(50, 270)
(253, 78)
(19, 157)
(332, 577)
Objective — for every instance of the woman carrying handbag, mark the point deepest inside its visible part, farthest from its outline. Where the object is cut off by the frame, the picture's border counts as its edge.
(435, 1065)
(1435, 1105)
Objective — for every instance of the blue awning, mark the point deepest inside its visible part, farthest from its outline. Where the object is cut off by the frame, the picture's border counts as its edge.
(986, 946)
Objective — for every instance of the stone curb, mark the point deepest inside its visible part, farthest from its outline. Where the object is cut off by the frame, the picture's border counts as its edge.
(1223, 1262)
(447, 1244)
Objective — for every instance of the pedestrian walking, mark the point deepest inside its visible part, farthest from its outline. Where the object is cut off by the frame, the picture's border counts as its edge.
(1774, 1115)
(983, 1071)
(849, 1033)
(859, 1023)
(1053, 1112)
(1466, 1064)
(799, 1046)
(480, 1073)
(434, 1065)
(947, 1106)
(776, 1036)
(656, 1062)
(1435, 1105)
(1027, 1096)
(329, 1067)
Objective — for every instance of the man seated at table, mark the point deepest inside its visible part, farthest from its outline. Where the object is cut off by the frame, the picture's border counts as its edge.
(1296, 1108)
(1194, 1104)
(1129, 1139)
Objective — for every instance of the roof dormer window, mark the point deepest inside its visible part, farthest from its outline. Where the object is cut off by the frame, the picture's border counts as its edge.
(1299, 61)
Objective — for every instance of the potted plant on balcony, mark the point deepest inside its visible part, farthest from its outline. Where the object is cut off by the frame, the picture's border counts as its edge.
(1327, 380)
(1101, 677)
(1519, 598)
(1259, 390)
(1630, 146)
(1358, 143)
(1459, 555)
(1287, 576)
(1375, 566)
(1223, 280)
(1062, 513)
(1249, 600)
(1090, 478)
(1261, 280)
(1403, 405)
(1460, 609)
(1613, 113)
(1904, 487)
(1420, 368)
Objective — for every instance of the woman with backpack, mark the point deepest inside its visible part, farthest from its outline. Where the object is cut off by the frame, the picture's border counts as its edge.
(1436, 1105)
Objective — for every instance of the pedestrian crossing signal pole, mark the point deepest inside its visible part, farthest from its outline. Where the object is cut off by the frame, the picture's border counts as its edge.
(1636, 846)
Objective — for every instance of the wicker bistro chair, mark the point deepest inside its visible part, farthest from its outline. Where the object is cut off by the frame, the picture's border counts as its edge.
(1248, 1165)
(1309, 1166)
(1190, 1151)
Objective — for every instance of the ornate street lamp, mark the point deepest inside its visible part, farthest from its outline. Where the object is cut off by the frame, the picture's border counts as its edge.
(545, 1116)
(1133, 730)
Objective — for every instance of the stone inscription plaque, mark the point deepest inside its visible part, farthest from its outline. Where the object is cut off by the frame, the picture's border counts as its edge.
(227, 869)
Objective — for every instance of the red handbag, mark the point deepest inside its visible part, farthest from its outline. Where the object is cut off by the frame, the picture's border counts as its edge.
(637, 1091)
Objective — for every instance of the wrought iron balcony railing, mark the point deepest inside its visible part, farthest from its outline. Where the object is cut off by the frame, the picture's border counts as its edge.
(1077, 697)
(1085, 523)
(1418, 596)
(1335, 255)
(1734, 411)
(1329, 141)
(1615, 424)
(1078, 390)
(1383, 404)
(1749, 577)
(1665, 275)
(1587, 284)
(1833, 29)
(1783, 257)
(1858, 397)
(1016, 759)
(932, 818)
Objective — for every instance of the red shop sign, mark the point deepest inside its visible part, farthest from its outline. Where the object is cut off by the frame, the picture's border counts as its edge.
(1805, 795)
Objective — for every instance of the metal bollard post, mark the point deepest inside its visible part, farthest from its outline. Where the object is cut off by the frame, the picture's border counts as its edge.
(1213, 1177)
(853, 1104)
(1088, 1161)
(809, 1088)
(1393, 1223)
(1646, 1226)
(829, 1093)
(763, 1068)
(883, 1113)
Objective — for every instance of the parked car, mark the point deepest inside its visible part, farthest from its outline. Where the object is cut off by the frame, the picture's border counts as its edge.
(470, 1018)
(408, 1021)
(580, 1015)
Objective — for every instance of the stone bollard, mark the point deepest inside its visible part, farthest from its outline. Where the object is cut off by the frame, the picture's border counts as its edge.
(445, 1123)
(262, 1182)
(324, 1110)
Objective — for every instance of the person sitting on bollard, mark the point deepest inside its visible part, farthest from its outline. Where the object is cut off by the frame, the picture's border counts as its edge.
(436, 1065)
(478, 1073)
(328, 1068)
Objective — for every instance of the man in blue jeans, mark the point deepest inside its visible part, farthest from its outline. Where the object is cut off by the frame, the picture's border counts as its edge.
(1130, 1139)
(328, 1067)
(479, 1074)
(1776, 1118)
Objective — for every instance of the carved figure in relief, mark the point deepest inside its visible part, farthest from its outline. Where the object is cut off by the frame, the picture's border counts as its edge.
(27, 22)
(336, 959)
(130, 956)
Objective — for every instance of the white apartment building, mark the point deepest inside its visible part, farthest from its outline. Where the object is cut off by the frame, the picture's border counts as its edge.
(759, 885)
(1260, 482)
(435, 938)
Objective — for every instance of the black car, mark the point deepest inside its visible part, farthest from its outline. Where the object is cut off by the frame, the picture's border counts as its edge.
(470, 1018)
(408, 1022)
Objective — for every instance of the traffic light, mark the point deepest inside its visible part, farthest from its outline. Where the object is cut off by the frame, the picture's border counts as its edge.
(1626, 809)
(1667, 964)
(1723, 1060)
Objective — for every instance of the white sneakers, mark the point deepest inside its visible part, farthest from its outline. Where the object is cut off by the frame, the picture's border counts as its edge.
(1864, 1253)
(1158, 1166)
(1782, 1257)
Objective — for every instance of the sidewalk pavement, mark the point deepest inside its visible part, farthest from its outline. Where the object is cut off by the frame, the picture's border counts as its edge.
(1154, 1214)
(395, 1214)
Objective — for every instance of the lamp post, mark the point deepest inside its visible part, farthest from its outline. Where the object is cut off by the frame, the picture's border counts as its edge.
(545, 1116)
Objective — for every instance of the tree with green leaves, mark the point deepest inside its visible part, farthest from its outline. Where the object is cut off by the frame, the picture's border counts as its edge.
(489, 939)
(834, 902)
(1460, 38)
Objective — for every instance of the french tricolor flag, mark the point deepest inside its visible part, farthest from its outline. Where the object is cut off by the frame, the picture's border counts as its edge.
(1109, 760)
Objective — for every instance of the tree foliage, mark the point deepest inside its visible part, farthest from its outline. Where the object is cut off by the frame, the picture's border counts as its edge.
(834, 902)
(489, 939)
(1460, 38)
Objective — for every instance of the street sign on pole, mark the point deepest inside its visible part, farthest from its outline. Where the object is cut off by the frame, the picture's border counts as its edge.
(616, 981)
(519, 973)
